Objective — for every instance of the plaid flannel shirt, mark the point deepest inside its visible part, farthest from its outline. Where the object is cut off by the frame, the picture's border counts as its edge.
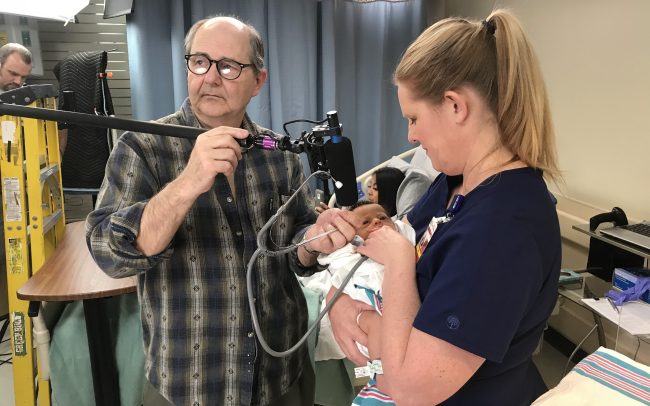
(198, 336)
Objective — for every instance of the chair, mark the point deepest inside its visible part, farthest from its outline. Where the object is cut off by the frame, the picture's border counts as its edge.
(603, 257)
(83, 88)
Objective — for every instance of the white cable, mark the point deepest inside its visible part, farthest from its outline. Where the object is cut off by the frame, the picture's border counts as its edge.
(578, 347)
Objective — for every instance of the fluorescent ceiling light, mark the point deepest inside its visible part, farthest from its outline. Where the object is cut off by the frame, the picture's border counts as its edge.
(54, 10)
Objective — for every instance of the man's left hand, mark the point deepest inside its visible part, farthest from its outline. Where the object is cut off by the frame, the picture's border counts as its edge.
(344, 221)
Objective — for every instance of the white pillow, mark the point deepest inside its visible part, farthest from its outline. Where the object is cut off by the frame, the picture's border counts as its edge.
(421, 161)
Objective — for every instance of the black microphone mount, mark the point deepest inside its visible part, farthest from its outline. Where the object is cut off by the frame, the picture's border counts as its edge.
(310, 142)
(14, 103)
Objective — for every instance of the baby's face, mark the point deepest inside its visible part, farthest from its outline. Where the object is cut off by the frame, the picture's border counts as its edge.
(372, 193)
(373, 217)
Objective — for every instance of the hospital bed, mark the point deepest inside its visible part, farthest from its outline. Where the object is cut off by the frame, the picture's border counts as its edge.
(604, 377)
(418, 176)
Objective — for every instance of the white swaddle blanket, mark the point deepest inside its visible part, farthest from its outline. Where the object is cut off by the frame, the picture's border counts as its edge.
(370, 275)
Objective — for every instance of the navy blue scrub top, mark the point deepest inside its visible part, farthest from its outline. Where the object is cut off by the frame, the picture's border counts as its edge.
(488, 280)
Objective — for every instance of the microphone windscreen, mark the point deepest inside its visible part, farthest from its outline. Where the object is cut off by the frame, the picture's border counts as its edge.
(340, 162)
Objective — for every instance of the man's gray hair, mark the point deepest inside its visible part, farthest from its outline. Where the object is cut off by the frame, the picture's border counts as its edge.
(256, 43)
(11, 48)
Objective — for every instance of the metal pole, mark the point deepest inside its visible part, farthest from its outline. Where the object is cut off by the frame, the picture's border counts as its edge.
(92, 120)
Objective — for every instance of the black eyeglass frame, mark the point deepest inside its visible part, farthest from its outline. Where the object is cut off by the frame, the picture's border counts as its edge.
(215, 63)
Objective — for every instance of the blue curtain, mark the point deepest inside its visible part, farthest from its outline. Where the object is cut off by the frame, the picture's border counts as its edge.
(321, 55)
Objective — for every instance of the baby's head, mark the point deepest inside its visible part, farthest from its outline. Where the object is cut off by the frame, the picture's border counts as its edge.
(373, 217)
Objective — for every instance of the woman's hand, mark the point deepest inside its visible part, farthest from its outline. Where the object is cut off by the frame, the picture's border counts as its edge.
(370, 323)
(387, 246)
(343, 317)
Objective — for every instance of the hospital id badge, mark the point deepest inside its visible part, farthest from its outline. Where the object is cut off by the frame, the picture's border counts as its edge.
(428, 233)
(424, 240)
(454, 207)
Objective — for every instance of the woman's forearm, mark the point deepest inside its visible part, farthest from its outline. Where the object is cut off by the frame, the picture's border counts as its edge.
(401, 303)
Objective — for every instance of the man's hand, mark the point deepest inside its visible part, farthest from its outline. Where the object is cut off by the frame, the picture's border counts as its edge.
(215, 151)
(321, 207)
(343, 316)
(344, 221)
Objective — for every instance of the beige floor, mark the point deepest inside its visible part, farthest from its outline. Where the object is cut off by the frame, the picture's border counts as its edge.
(6, 378)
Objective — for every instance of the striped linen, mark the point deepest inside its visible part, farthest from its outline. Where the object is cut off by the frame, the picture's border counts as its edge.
(602, 378)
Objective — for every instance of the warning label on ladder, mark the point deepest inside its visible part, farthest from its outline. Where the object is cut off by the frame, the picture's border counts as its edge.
(15, 255)
(18, 332)
(11, 193)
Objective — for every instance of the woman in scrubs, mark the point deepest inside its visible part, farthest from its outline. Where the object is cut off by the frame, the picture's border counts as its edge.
(464, 313)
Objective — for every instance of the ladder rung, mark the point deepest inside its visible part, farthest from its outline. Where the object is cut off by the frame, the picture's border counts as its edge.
(50, 221)
(49, 171)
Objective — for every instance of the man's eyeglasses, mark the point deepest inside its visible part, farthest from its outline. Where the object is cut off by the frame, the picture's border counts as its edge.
(200, 64)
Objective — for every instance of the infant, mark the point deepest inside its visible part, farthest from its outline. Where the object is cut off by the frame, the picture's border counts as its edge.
(366, 282)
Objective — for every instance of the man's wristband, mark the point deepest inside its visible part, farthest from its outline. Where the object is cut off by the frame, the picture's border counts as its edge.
(315, 253)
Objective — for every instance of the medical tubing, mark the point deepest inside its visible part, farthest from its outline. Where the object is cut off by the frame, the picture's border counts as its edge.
(568, 361)
(258, 329)
(262, 249)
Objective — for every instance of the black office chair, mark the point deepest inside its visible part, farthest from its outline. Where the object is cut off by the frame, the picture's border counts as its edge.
(83, 88)
(603, 257)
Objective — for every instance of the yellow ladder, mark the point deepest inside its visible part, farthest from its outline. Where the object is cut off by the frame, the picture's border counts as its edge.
(34, 222)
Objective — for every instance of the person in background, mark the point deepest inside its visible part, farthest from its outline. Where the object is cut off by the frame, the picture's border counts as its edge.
(183, 216)
(383, 188)
(15, 66)
(475, 99)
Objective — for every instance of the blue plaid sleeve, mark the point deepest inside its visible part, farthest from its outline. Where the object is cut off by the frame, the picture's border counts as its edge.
(111, 230)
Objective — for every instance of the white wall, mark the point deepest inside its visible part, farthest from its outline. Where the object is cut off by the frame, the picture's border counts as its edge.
(595, 56)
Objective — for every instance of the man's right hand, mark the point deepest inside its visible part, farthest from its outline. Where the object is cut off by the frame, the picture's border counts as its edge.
(215, 151)
(343, 317)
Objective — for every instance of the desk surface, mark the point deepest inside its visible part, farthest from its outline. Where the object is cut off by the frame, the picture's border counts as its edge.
(71, 273)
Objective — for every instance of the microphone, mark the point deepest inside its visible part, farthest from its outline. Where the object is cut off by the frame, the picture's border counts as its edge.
(340, 161)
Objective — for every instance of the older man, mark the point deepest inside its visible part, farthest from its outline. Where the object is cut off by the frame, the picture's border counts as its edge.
(15, 66)
(183, 215)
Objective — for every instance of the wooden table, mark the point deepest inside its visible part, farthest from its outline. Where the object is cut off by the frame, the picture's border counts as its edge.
(71, 274)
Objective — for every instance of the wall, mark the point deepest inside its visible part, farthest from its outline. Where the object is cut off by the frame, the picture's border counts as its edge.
(90, 33)
(595, 57)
